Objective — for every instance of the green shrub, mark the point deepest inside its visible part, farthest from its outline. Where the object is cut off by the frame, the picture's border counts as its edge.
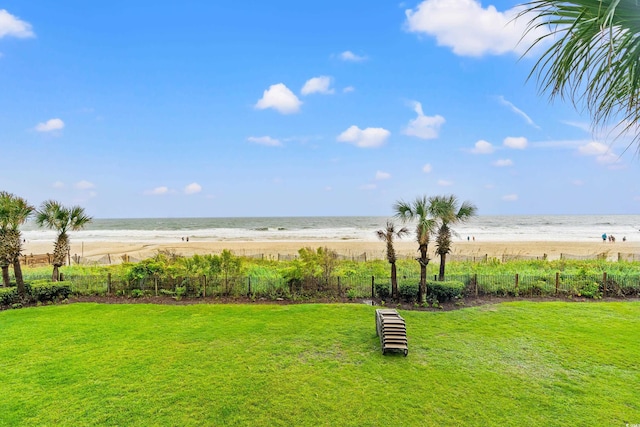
(44, 290)
(383, 290)
(8, 296)
(445, 291)
(137, 293)
(589, 289)
(408, 291)
(180, 292)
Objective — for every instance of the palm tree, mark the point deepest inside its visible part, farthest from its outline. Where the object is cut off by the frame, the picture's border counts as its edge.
(14, 211)
(5, 256)
(594, 58)
(387, 235)
(62, 219)
(448, 211)
(418, 211)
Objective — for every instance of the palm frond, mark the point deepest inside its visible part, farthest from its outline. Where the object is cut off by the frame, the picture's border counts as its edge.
(594, 57)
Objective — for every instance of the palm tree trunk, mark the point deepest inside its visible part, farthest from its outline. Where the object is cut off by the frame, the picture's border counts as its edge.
(394, 282)
(17, 271)
(443, 260)
(422, 290)
(6, 280)
(60, 251)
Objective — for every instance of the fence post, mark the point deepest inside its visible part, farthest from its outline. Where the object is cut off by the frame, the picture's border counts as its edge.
(517, 281)
(339, 289)
(108, 283)
(475, 281)
(249, 281)
(204, 286)
(557, 281)
(373, 289)
(61, 277)
(604, 284)
(155, 283)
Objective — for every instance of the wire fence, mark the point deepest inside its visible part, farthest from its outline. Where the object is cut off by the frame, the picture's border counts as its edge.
(475, 285)
(46, 259)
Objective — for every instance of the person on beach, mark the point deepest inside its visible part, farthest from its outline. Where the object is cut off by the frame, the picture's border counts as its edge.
(604, 237)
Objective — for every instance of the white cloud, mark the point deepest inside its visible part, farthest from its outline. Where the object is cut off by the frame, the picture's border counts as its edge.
(580, 125)
(280, 98)
(84, 185)
(349, 56)
(510, 197)
(193, 188)
(158, 191)
(50, 125)
(515, 142)
(427, 168)
(483, 147)
(503, 163)
(518, 111)
(364, 138)
(265, 140)
(469, 29)
(58, 184)
(600, 151)
(444, 183)
(593, 148)
(319, 84)
(382, 175)
(348, 89)
(425, 127)
(11, 26)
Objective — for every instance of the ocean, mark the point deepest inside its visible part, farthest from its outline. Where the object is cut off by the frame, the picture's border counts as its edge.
(581, 228)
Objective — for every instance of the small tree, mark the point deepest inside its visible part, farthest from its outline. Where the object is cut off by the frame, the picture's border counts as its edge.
(14, 211)
(61, 219)
(419, 211)
(387, 235)
(447, 211)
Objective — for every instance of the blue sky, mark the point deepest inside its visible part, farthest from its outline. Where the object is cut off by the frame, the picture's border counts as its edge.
(287, 108)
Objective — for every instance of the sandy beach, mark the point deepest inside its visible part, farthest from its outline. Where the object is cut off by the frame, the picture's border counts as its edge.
(373, 249)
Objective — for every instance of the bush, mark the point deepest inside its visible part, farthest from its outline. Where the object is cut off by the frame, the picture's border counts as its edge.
(589, 289)
(383, 290)
(8, 296)
(43, 291)
(445, 291)
(408, 291)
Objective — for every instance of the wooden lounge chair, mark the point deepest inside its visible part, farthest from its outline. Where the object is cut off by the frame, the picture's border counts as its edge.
(392, 330)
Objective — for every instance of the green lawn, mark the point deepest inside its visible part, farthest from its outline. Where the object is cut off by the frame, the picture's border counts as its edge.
(520, 364)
